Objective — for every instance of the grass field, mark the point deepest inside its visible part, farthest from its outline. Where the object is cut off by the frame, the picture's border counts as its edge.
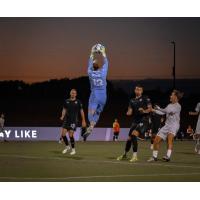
(94, 161)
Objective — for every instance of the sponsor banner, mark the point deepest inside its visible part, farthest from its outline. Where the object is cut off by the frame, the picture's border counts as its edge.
(53, 134)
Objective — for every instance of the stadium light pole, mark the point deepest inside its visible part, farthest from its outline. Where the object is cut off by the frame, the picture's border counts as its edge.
(174, 65)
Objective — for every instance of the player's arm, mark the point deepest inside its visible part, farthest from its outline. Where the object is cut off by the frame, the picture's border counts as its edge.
(149, 107)
(105, 62)
(197, 110)
(158, 112)
(130, 108)
(193, 113)
(83, 118)
(1, 123)
(64, 111)
(129, 111)
(90, 61)
(82, 114)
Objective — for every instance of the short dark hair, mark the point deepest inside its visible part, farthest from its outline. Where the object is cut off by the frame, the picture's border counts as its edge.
(139, 86)
(178, 94)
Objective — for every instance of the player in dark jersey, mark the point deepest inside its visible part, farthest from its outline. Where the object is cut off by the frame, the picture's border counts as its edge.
(70, 113)
(139, 107)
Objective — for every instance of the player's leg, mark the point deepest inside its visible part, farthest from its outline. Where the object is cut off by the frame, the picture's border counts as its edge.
(138, 133)
(156, 146)
(116, 136)
(72, 141)
(197, 137)
(64, 137)
(134, 141)
(170, 139)
(128, 143)
(92, 106)
(153, 136)
(113, 136)
(100, 107)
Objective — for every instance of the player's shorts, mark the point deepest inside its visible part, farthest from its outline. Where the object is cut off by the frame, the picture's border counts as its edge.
(116, 133)
(70, 126)
(197, 131)
(141, 128)
(166, 129)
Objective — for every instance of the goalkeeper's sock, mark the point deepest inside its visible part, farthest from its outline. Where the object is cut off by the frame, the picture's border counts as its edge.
(65, 140)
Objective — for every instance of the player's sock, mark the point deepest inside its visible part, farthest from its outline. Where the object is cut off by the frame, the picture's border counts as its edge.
(96, 116)
(128, 146)
(72, 142)
(169, 152)
(135, 143)
(135, 154)
(65, 140)
(155, 153)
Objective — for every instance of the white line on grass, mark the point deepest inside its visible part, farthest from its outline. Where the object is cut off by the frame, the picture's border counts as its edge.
(98, 161)
(93, 177)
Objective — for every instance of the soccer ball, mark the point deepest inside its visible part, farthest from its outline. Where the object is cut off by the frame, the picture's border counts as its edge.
(98, 48)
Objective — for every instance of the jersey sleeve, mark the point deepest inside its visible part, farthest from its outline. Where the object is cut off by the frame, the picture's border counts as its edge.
(104, 69)
(197, 109)
(159, 112)
(90, 65)
(65, 104)
(163, 110)
(80, 105)
(130, 105)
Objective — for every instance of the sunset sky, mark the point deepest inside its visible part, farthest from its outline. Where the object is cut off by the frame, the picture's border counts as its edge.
(37, 49)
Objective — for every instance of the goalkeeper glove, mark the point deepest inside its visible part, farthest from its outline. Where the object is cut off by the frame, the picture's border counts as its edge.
(103, 51)
(92, 52)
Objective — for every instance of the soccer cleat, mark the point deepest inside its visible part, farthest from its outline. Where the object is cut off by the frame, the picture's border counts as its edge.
(152, 159)
(166, 159)
(88, 132)
(73, 152)
(122, 157)
(133, 159)
(67, 148)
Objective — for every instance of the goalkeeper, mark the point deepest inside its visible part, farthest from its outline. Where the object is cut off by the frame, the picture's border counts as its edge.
(97, 76)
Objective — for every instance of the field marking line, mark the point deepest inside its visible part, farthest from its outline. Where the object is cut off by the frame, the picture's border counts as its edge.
(93, 177)
(99, 161)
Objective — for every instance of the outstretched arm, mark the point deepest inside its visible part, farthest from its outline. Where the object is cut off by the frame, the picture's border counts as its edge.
(105, 61)
(197, 110)
(90, 61)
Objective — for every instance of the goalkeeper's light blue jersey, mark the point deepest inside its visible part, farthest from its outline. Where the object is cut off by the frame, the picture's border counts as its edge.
(98, 78)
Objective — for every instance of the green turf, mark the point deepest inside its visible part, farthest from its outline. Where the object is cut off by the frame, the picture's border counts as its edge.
(94, 161)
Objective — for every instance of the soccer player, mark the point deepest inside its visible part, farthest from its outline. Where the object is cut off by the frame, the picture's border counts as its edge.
(2, 122)
(116, 130)
(139, 107)
(197, 131)
(97, 76)
(157, 122)
(171, 127)
(71, 109)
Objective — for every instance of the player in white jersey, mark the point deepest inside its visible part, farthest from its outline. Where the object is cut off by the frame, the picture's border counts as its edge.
(171, 127)
(197, 131)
